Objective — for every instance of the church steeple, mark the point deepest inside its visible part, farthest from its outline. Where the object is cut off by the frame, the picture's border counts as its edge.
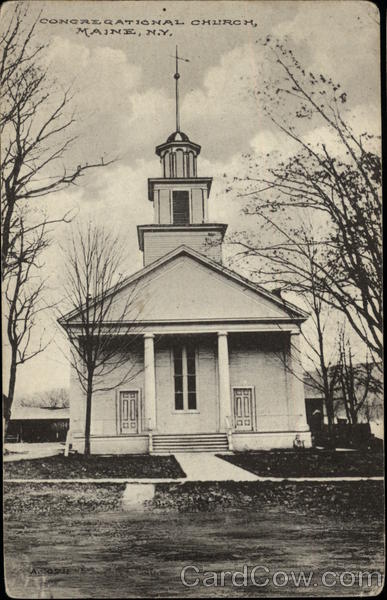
(180, 198)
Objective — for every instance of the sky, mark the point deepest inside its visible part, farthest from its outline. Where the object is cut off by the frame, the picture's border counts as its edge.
(123, 98)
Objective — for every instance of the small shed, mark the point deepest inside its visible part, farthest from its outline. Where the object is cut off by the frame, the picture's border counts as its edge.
(36, 424)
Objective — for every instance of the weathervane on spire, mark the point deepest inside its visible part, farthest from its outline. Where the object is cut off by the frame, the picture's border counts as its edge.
(177, 77)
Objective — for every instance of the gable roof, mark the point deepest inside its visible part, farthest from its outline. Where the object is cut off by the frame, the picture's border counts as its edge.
(37, 412)
(292, 311)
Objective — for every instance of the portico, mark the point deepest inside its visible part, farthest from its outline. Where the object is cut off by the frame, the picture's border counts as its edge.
(226, 396)
(224, 407)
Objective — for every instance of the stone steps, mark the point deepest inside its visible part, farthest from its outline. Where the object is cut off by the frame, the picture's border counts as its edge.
(200, 442)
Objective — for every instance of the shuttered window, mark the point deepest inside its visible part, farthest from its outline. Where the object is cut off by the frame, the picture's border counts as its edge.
(180, 207)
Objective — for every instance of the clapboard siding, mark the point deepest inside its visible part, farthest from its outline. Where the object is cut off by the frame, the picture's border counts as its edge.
(104, 404)
(157, 244)
(254, 362)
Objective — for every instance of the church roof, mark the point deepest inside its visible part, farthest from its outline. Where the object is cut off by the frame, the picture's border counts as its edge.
(173, 141)
(178, 136)
(22, 413)
(293, 312)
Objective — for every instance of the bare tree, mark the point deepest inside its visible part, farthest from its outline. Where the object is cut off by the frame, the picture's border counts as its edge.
(357, 383)
(54, 398)
(23, 301)
(289, 260)
(35, 128)
(36, 136)
(336, 181)
(101, 327)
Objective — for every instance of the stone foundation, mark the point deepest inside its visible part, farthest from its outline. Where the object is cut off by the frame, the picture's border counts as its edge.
(269, 440)
(113, 444)
(240, 441)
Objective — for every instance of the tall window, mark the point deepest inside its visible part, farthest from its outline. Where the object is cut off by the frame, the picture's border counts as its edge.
(180, 207)
(185, 377)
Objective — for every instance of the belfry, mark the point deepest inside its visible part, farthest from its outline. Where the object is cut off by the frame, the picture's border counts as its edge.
(180, 199)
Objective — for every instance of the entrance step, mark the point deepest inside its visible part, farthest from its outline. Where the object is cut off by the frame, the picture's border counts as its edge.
(190, 442)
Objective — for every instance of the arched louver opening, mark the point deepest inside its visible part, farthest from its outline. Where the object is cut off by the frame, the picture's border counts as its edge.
(166, 169)
(191, 164)
(179, 163)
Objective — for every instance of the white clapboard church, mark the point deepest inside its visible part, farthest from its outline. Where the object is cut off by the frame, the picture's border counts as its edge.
(210, 345)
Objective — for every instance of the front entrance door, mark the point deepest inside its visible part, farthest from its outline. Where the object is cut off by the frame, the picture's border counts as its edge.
(243, 409)
(129, 412)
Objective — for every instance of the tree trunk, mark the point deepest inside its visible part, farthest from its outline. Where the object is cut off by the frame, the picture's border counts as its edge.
(8, 400)
(346, 400)
(354, 415)
(328, 397)
(10, 204)
(330, 412)
(88, 415)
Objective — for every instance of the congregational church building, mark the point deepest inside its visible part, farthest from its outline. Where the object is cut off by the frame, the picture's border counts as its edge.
(217, 356)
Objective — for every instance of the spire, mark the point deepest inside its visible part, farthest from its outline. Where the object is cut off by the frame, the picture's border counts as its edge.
(177, 77)
(178, 154)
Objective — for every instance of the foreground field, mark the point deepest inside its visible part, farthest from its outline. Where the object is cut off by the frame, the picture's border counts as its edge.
(76, 541)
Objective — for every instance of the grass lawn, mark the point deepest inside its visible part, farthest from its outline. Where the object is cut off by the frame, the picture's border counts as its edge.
(75, 541)
(309, 463)
(78, 466)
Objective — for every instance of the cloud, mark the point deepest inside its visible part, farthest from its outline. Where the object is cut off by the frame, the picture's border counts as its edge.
(102, 82)
(338, 39)
(223, 112)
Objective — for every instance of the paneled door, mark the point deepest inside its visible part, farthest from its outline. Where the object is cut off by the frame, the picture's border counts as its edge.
(243, 409)
(129, 412)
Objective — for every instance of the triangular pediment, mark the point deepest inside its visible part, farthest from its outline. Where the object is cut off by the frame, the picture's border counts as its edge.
(186, 286)
(188, 290)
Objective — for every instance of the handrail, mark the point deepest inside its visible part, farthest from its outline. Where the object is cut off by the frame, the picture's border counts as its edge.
(68, 443)
(150, 441)
(229, 433)
(150, 434)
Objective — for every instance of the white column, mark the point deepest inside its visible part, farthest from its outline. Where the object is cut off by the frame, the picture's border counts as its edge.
(224, 381)
(296, 374)
(150, 381)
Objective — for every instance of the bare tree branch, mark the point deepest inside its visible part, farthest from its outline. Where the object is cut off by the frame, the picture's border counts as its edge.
(35, 132)
(36, 136)
(337, 184)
